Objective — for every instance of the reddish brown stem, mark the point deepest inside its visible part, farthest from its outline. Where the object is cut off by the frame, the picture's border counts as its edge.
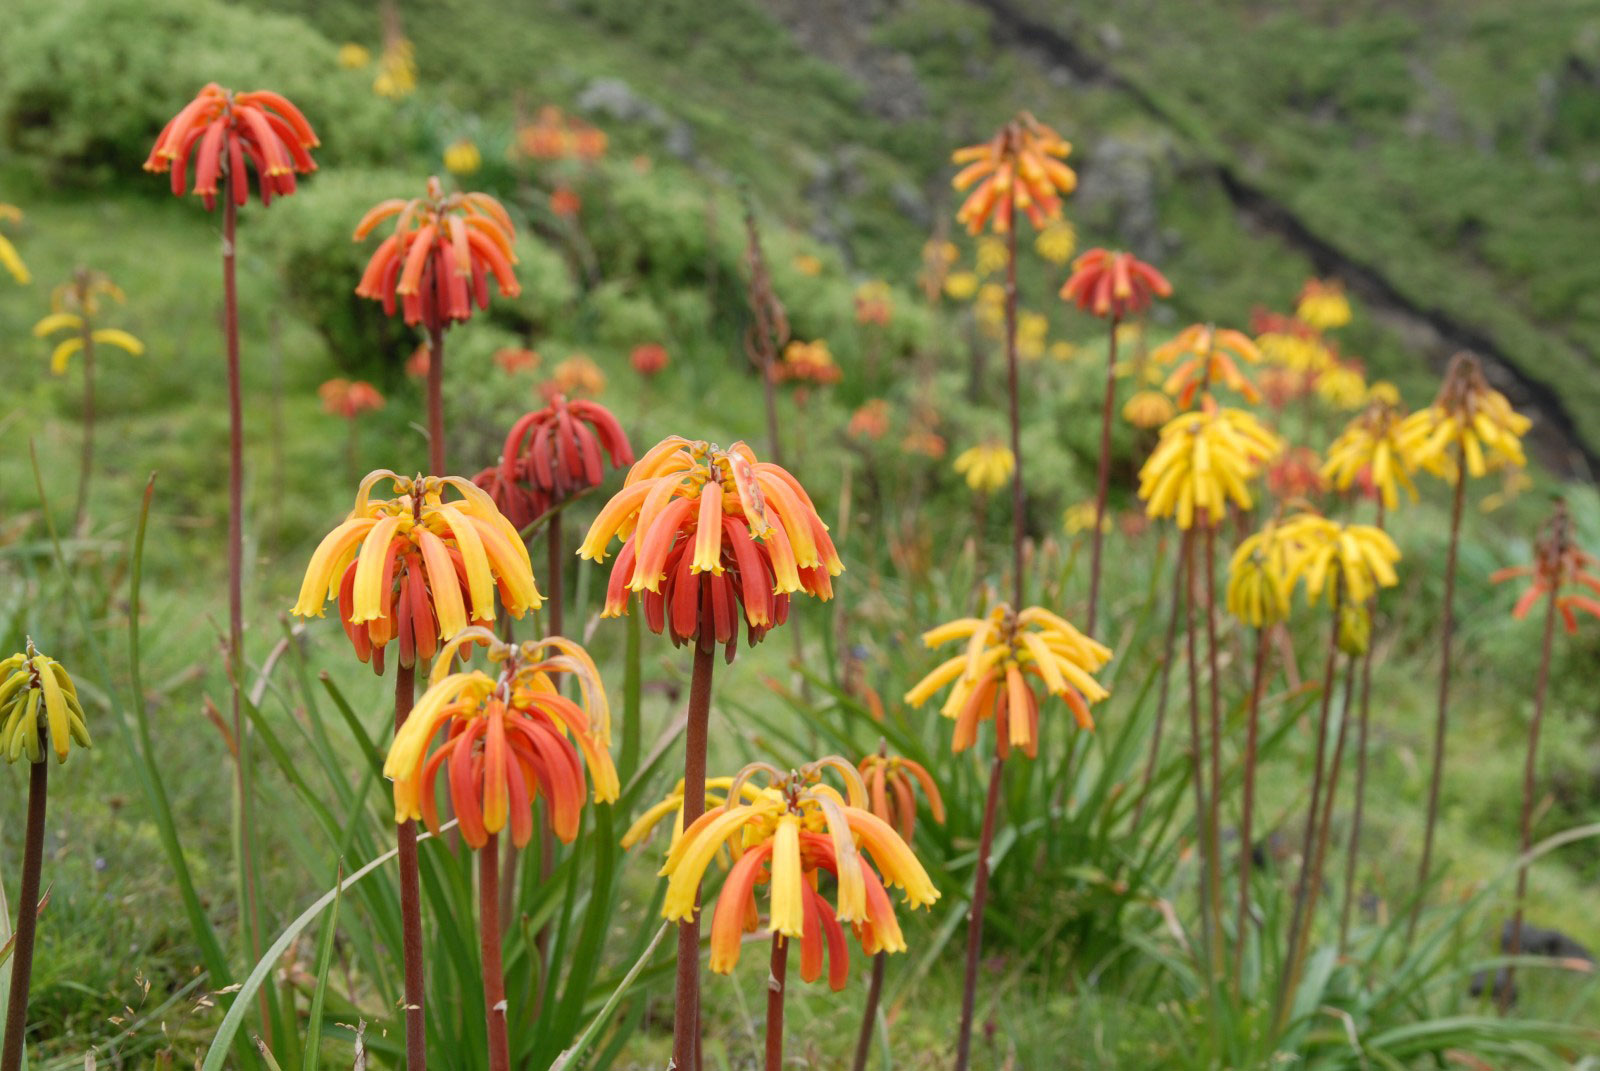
(494, 979)
(86, 466)
(869, 1012)
(980, 900)
(410, 899)
(1324, 833)
(1247, 815)
(1102, 477)
(1019, 523)
(1359, 808)
(776, 990)
(27, 917)
(686, 1011)
(1447, 629)
(1528, 773)
(1169, 649)
(436, 399)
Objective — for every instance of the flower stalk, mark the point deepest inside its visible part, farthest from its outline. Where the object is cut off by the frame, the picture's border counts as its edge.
(405, 691)
(494, 977)
(777, 989)
(980, 900)
(27, 917)
(686, 1015)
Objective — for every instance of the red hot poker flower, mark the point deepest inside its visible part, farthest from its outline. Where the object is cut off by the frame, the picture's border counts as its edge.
(560, 450)
(1558, 562)
(347, 399)
(439, 259)
(220, 130)
(1021, 166)
(1113, 285)
(891, 791)
(649, 358)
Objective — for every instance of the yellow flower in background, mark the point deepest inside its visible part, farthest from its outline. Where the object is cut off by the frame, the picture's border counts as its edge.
(1296, 351)
(1148, 409)
(1512, 484)
(74, 306)
(807, 264)
(1323, 305)
(961, 285)
(987, 466)
(461, 157)
(578, 375)
(1205, 459)
(991, 254)
(39, 708)
(353, 57)
(1342, 385)
(989, 678)
(1470, 416)
(1206, 354)
(1079, 518)
(990, 304)
(10, 260)
(1260, 577)
(1057, 242)
(1062, 350)
(1033, 329)
(1353, 559)
(1381, 390)
(397, 69)
(1370, 449)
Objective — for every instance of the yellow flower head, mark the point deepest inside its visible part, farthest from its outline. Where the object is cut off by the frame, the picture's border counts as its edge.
(9, 258)
(1019, 168)
(807, 264)
(990, 677)
(418, 567)
(39, 708)
(794, 830)
(1381, 390)
(1062, 350)
(1323, 304)
(1358, 559)
(1057, 242)
(1342, 385)
(961, 285)
(1259, 577)
(74, 306)
(1301, 350)
(1370, 450)
(1148, 409)
(1033, 329)
(397, 69)
(1470, 416)
(1079, 517)
(1205, 458)
(808, 362)
(987, 466)
(511, 737)
(461, 157)
(1207, 355)
(991, 255)
(353, 56)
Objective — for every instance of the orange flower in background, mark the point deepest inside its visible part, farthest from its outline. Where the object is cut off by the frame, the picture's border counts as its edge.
(1148, 409)
(1558, 563)
(577, 374)
(1019, 168)
(564, 202)
(809, 362)
(648, 359)
(220, 130)
(891, 791)
(1280, 386)
(930, 444)
(1207, 355)
(552, 135)
(1113, 285)
(871, 420)
(347, 399)
(512, 738)
(418, 363)
(441, 255)
(560, 450)
(874, 304)
(417, 567)
(514, 359)
(1297, 473)
(710, 535)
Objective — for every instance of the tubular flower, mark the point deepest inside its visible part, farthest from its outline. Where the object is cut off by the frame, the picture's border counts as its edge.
(708, 533)
(716, 795)
(870, 420)
(1206, 355)
(1322, 304)
(441, 255)
(10, 260)
(792, 832)
(961, 285)
(397, 68)
(220, 130)
(39, 708)
(891, 782)
(462, 157)
(1360, 556)
(511, 738)
(1371, 444)
(554, 136)
(1113, 285)
(75, 304)
(990, 255)
(1342, 384)
(347, 399)
(808, 362)
(578, 375)
(1295, 474)
(1204, 459)
(874, 303)
(989, 678)
(1470, 415)
(1558, 562)
(1260, 580)
(417, 567)
(987, 466)
(514, 359)
(1381, 390)
(560, 450)
(1148, 409)
(1020, 167)
(1057, 242)
(648, 359)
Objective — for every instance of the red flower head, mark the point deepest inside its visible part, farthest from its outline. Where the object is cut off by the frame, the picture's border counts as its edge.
(220, 130)
(1114, 285)
(556, 452)
(1296, 474)
(1020, 167)
(439, 259)
(891, 791)
(1558, 561)
(343, 398)
(707, 533)
(871, 421)
(514, 359)
(565, 203)
(648, 359)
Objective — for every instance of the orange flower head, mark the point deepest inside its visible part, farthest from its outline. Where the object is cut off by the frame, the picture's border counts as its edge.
(1019, 168)
(565, 203)
(560, 450)
(441, 255)
(871, 420)
(1297, 473)
(511, 737)
(515, 359)
(792, 832)
(554, 136)
(1206, 355)
(707, 534)
(347, 399)
(1558, 564)
(990, 681)
(648, 359)
(418, 567)
(874, 304)
(577, 374)
(220, 130)
(1113, 285)
(891, 782)
(808, 362)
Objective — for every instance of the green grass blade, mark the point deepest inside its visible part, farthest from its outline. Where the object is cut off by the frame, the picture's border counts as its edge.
(320, 993)
(583, 1040)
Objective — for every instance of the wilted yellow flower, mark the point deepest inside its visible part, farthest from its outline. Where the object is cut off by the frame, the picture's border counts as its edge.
(1342, 385)
(1079, 517)
(1322, 305)
(1370, 449)
(807, 264)
(1206, 354)
(39, 707)
(1148, 409)
(991, 254)
(397, 70)
(9, 258)
(461, 157)
(989, 679)
(353, 57)
(1360, 558)
(1204, 459)
(1260, 577)
(961, 285)
(987, 466)
(1512, 484)
(1471, 416)
(1381, 390)
(1032, 330)
(74, 306)
(1057, 242)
